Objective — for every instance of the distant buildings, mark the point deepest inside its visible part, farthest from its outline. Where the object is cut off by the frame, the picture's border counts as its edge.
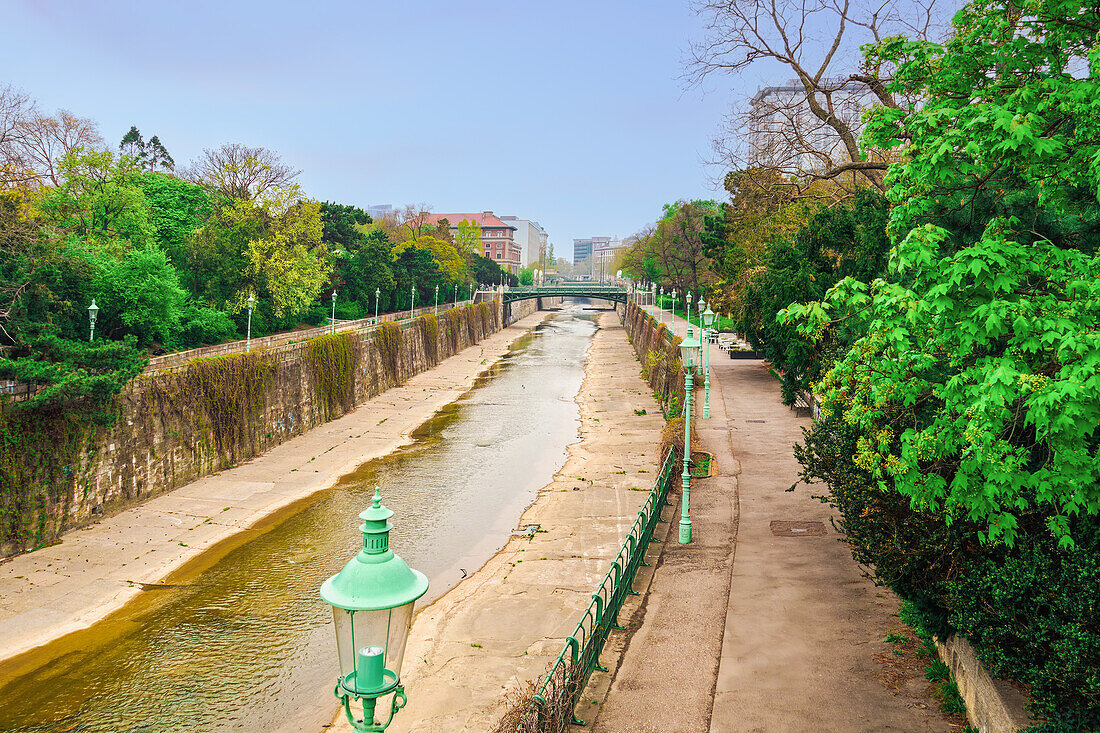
(379, 211)
(531, 239)
(497, 236)
(785, 134)
(597, 257)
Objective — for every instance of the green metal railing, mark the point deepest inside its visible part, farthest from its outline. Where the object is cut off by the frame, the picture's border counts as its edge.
(551, 707)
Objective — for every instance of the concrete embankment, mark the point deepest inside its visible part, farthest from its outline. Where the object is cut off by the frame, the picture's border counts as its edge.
(505, 624)
(176, 426)
(94, 570)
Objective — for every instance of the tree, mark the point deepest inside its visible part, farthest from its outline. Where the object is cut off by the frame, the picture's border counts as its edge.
(46, 140)
(673, 250)
(132, 143)
(810, 132)
(139, 295)
(240, 172)
(151, 155)
(290, 262)
(100, 199)
(976, 389)
(468, 238)
(177, 209)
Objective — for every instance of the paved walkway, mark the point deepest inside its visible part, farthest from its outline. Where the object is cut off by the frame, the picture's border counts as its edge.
(757, 625)
(95, 570)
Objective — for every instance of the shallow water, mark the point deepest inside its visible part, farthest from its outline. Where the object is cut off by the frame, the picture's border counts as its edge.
(247, 644)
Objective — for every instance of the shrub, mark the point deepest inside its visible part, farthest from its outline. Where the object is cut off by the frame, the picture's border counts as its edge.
(332, 362)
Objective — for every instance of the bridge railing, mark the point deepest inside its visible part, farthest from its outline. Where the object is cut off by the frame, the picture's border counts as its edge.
(550, 709)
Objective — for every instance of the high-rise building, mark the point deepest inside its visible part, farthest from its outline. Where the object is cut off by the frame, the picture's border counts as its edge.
(584, 261)
(785, 134)
(497, 236)
(380, 211)
(531, 238)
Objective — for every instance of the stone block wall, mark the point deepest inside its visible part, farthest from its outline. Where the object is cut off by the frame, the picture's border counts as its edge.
(175, 426)
(658, 350)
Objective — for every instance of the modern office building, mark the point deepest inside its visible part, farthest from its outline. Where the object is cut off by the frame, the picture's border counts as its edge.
(497, 236)
(531, 239)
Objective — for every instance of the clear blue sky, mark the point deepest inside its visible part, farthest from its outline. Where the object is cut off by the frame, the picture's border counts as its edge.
(569, 113)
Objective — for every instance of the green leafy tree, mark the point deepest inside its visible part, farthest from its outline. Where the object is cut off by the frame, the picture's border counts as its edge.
(177, 210)
(848, 240)
(139, 295)
(100, 200)
(976, 389)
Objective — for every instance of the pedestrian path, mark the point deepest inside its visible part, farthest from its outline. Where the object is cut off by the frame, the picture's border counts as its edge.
(763, 622)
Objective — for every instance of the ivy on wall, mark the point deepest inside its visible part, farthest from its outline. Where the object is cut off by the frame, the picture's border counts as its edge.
(332, 361)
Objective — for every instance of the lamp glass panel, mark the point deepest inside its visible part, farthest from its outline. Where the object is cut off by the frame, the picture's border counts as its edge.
(388, 628)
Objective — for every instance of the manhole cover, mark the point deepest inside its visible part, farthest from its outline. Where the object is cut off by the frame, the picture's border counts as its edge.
(783, 528)
(756, 421)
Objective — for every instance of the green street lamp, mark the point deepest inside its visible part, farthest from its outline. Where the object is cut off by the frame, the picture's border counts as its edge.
(689, 354)
(412, 299)
(672, 323)
(437, 300)
(372, 604)
(333, 319)
(687, 312)
(93, 311)
(708, 323)
(248, 333)
(661, 305)
(377, 294)
(456, 295)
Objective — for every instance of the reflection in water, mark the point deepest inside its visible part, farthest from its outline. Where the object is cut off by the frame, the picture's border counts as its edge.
(247, 644)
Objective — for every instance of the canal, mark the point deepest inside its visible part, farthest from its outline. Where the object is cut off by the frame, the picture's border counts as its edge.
(246, 644)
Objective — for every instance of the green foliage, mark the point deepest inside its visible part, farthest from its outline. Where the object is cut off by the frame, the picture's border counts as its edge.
(848, 240)
(429, 330)
(979, 369)
(100, 200)
(526, 277)
(177, 209)
(228, 390)
(64, 370)
(452, 320)
(200, 325)
(1031, 612)
(140, 295)
(332, 361)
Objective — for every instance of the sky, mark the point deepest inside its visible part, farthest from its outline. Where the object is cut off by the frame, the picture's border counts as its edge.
(568, 113)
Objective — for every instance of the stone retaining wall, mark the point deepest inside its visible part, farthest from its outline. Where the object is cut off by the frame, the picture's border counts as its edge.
(178, 425)
(992, 705)
(657, 349)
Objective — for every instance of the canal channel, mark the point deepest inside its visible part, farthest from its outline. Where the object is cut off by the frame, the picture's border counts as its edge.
(246, 644)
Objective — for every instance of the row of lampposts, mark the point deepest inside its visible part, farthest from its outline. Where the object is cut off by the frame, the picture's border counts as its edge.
(694, 355)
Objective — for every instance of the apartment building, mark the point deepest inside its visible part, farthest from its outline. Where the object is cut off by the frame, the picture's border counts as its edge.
(498, 241)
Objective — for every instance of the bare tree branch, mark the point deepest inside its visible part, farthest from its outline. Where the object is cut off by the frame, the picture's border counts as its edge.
(241, 172)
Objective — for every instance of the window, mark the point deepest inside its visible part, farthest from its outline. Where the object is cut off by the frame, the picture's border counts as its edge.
(498, 255)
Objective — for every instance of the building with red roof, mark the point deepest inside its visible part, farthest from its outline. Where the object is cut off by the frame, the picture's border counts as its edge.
(497, 236)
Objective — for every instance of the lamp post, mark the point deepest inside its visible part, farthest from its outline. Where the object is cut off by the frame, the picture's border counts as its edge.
(412, 299)
(377, 294)
(689, 354)
(661, 306)
(333, 319)
(372, 603)
(456, 295)
(708, 322)
(437, 300)
(93, 311)
(687, 312)
(672, 323)
(248, 335)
